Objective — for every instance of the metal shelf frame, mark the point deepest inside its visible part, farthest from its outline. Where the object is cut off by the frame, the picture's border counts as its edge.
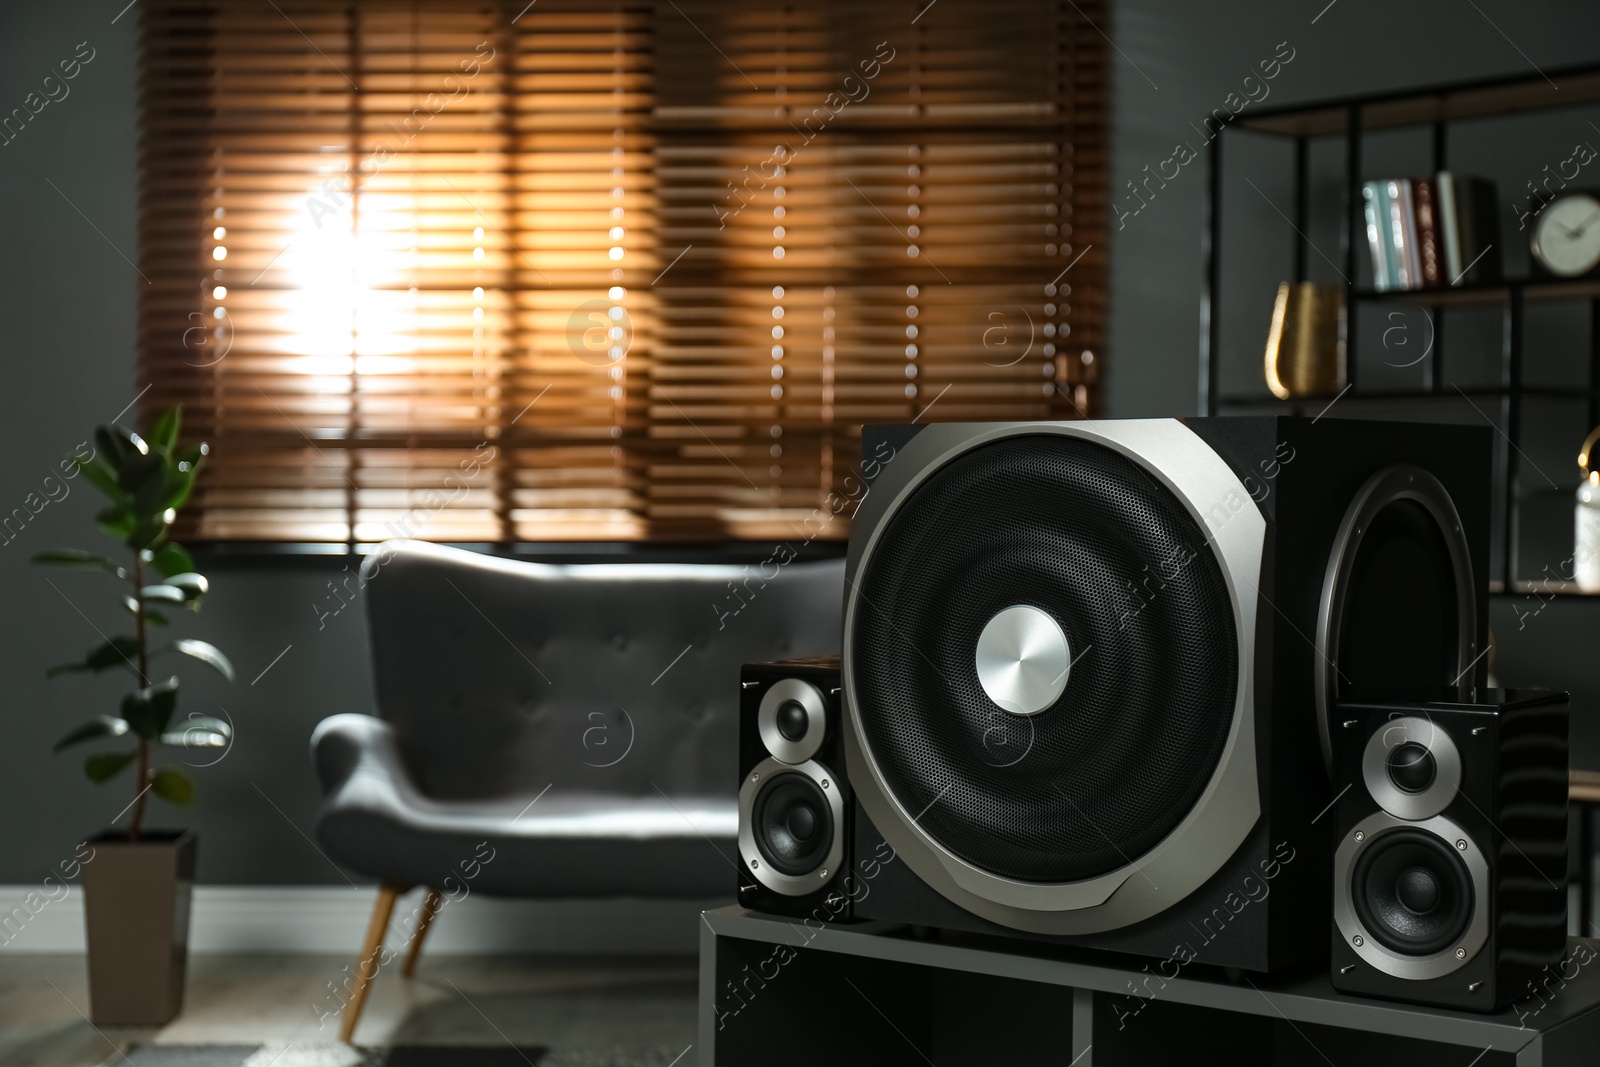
(1349, 119)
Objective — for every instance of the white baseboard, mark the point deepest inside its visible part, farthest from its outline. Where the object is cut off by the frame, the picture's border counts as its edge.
(318, 920)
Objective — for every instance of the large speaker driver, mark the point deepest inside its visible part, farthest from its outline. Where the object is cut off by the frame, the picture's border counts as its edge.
(1117, 754)
(1043, 640)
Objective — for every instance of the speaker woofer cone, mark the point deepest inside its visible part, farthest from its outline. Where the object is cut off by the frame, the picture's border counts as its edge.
(1408, 899)
(1135, 785)
(1413, 893)
(791, 826)
(1053, 531)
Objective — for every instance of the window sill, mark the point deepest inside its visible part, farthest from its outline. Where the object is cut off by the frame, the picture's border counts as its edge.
(222, 555)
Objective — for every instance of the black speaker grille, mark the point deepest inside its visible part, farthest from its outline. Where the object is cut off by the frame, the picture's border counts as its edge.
(1094, 781)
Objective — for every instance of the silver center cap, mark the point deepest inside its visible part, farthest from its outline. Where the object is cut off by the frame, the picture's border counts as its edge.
(1023, 659)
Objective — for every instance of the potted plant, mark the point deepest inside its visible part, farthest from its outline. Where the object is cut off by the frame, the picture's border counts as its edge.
(136, 890)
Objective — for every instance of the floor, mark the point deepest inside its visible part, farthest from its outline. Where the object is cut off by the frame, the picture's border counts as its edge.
(579, 1008)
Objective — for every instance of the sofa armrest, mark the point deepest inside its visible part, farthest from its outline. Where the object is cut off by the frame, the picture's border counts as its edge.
(348, 745)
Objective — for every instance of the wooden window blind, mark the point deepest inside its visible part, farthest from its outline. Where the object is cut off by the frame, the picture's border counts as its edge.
(482, 272)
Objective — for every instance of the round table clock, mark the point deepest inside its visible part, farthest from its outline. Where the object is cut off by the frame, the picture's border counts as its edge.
(1566, 236)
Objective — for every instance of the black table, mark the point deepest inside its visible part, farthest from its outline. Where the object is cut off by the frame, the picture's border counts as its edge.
(776, 992)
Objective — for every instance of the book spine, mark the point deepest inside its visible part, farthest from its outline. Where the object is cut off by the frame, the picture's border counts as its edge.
(1408, 223)
(1377, 240)
(1423, 197)
(1484, 256)
(1397, 201)
(1450, 227)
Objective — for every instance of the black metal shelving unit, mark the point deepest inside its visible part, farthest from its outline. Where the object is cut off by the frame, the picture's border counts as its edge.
(1351, 119)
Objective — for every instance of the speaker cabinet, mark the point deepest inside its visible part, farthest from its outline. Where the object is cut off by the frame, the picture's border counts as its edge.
(794, 829)
(1084, 663)
(1449, 873)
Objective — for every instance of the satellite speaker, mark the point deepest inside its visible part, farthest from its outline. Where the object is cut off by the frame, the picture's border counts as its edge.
(794, 830)
(1086, 665)
(1450, 866)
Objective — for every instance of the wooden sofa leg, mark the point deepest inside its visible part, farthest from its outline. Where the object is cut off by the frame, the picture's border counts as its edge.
(367, 962)
(430, 908)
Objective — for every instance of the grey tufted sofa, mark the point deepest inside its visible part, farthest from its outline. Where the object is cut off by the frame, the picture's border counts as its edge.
(553, 731)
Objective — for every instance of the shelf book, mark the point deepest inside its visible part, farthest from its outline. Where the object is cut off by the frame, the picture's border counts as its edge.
(1432, 232)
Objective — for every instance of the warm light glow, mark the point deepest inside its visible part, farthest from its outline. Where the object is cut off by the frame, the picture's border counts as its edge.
(220, 232)
(616, 253)
(219, 292)
(1588, 449)
(349, 296)
(616, 292)
(336, 367)
(219, 252)
(1280, 308)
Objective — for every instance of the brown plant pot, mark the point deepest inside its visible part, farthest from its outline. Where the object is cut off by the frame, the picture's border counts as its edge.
(136, 915)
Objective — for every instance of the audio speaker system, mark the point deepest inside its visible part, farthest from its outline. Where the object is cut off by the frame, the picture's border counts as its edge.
(794, 829)
(1087, 666)
(1450, 867)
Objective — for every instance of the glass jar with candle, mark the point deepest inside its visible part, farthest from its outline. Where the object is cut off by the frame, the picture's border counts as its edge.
(1586, 522)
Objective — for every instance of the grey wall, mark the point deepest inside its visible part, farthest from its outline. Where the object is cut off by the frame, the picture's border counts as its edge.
(67, 307)
(1176, 62)
(67, 299)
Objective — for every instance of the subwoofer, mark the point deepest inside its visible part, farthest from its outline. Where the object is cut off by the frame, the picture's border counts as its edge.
(1450, 865)
(1085, 665)
(794, 831)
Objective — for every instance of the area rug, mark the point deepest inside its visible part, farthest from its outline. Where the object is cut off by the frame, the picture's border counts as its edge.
(332, 1055)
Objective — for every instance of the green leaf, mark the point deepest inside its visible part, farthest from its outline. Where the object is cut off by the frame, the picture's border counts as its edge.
(199, 731)
(148, 531)
(194, 455)
(203, 651)
(117, 652)
(164, 434)
(151, 615)
(185, 486)
(97, 727)
(140, 470)
(102, 478)
(116, 521)
(158, 492)
(103, 766)
(172, 558)
(117, 445)
(173, 786)
(171, 594)
(77, 557)
(149, 710)
(193, 586)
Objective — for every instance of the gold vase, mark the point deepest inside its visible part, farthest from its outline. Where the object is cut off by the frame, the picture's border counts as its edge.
(1306, 343)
